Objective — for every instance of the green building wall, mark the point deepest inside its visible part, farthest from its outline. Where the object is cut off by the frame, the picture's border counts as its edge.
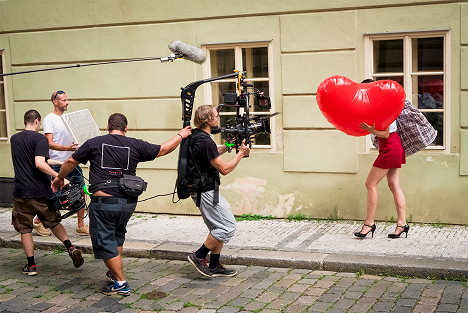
(316, 170)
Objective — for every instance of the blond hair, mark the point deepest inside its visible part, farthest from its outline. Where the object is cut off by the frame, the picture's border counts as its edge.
(203, 115)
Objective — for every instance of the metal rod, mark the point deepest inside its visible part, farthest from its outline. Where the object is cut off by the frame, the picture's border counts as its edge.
(170, 58)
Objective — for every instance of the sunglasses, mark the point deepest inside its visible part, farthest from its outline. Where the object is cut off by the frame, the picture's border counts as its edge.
(58, 93)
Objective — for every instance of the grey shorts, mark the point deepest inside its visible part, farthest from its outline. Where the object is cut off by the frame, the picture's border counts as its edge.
(218, 217)
(108, 218)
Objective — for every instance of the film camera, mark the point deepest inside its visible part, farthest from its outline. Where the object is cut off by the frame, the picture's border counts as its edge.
(243, 126)
(70, 199)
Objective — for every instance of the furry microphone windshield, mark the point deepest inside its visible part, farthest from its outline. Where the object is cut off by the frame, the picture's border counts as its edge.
(188, 52)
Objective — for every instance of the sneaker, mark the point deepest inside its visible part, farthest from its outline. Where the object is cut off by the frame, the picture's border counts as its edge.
(75, 255)
(222, 271)
(200, 265)
(111, 277)
(116, 289)
(41, 230)
(30, 270)
(83, 230)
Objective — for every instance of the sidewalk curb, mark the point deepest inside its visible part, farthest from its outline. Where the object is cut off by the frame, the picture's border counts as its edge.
(376, 265)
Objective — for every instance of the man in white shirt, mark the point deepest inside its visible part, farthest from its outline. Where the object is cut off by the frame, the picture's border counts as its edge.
(61, 147)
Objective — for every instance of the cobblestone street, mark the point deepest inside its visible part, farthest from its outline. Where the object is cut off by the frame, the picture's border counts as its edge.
(175, 286)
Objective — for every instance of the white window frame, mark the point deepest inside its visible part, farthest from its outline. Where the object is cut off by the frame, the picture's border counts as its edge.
(3, 85)
(408, 74)
(238, 46)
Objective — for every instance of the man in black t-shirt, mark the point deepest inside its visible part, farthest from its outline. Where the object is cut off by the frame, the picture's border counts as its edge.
(215, 210)
(29, 152)
(112, 156)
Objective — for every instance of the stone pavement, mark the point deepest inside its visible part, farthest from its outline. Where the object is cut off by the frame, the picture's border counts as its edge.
(175, 286)
(436, 251)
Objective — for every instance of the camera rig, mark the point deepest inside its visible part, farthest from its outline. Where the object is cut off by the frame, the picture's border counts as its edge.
(241, 128)
(70, 199)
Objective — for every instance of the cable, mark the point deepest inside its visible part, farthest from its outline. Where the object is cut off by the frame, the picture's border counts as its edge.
(167, 194)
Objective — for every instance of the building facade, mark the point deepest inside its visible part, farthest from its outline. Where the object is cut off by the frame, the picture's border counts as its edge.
(305, 166)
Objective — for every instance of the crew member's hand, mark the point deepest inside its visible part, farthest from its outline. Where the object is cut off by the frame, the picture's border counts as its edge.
(367, 127)
(186, 131)
(65, 181)
(73, 147)
(244, 150)
(57, 184)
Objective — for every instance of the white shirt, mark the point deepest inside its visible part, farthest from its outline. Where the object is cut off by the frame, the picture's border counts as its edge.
(54, 125)
(393, 127)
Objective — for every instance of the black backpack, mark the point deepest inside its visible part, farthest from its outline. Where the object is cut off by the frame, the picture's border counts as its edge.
(189, 176)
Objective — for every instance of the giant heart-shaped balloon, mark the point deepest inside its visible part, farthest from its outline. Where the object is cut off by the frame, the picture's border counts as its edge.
(345, 104)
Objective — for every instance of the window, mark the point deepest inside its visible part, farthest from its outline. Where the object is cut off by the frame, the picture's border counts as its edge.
(254, 59)
(3, 106)
(419, 63)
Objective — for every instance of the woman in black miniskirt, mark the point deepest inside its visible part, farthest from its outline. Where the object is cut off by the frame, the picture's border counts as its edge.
(388, 163)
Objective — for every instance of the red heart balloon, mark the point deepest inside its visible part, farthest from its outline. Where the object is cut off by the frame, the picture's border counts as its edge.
(346, 104)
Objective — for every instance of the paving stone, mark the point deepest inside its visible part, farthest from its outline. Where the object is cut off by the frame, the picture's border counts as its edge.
(401, 309)
(40, 306)
(279, 304)
(443, 307)
(267, 297)
(383, 306)
(329, 297)
(319, 307)
(344, 303)
(107, 301)
(239, 302)
(450, 298)
(214, 304)
(422, 308)
(406, 302)
(254, 305)
(228, 309)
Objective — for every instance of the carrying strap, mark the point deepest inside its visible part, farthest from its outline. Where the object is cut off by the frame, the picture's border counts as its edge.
(203, 182)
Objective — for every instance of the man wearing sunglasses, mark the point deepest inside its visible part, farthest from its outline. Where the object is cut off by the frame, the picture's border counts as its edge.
(61, 147)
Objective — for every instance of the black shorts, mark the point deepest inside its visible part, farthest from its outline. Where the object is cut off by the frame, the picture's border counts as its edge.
(108, 217)
(24, 211)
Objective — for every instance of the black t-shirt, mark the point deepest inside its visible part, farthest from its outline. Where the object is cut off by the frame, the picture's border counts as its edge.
(110, 156)
(204, 150)
(30, 182)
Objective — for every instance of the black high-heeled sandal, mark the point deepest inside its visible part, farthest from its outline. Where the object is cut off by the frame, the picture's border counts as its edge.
(405, 230)
(362, 235)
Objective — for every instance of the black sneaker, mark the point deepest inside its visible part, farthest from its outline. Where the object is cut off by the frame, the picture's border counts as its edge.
(30, 270)
(75, 255)
(116, 289)
(200, 265)
(111, 277)
(222, 271)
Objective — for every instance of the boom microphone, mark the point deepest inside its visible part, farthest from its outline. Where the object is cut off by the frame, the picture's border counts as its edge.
(188, 52)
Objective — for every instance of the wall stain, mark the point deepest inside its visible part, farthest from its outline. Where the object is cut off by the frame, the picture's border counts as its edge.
(253, 197)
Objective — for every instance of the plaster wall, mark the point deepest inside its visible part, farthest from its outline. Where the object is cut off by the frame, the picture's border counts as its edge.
(315, 170)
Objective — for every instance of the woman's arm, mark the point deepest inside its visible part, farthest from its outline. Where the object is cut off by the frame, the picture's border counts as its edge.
(371, 129)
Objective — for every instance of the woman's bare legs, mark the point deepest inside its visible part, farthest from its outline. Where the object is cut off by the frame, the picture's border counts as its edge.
(393, 179)
(373, 179)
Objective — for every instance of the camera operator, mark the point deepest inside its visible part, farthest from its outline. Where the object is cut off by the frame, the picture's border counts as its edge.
(112, 157)
(29, 151)
(215, 210)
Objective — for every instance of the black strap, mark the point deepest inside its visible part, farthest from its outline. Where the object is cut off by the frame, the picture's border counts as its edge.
(111, 183)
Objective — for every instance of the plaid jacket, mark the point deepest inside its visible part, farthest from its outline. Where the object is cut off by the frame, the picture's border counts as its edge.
(414, 129)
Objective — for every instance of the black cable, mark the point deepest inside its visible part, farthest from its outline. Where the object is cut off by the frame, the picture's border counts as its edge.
(167, 194)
